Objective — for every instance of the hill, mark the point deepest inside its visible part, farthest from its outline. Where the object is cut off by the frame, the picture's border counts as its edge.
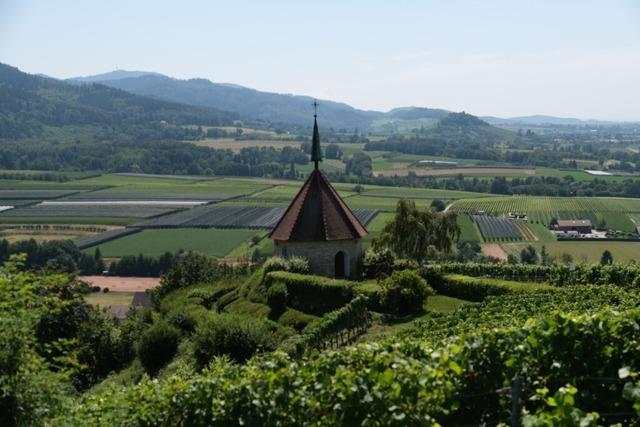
(48, 124)
(113, 75)
(250, 104)
(456, 135)
(30, 103)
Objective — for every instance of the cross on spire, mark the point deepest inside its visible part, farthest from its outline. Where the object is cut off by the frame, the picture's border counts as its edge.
(316, 152)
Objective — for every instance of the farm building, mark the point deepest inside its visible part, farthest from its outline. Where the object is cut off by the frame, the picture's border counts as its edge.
(320, 227)
(582, 226)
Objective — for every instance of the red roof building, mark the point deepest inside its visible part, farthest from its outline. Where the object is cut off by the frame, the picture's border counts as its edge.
(319, 226)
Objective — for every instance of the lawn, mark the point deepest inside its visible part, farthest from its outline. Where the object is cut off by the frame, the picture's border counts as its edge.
(211, 241)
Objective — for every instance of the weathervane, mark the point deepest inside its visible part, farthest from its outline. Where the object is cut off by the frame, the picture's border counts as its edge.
(315, 108)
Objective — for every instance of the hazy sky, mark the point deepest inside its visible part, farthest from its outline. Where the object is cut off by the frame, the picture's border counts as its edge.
(575, 58)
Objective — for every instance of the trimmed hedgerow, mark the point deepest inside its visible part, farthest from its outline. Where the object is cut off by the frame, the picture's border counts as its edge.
(477, 289)
(313, 294)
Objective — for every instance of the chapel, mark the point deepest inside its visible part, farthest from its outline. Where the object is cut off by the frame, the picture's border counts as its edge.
(319, 226)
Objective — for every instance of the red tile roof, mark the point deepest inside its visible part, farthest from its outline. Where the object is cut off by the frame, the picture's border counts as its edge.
(317, 213)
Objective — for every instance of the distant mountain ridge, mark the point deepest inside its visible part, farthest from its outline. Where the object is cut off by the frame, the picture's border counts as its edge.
(248, 103)
(29, 103)
(281, 108)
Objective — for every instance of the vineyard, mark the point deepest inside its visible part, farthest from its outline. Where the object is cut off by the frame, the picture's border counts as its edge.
(497, 229)
(540, 210)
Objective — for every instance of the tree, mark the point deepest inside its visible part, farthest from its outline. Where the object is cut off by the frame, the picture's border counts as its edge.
(359, 164)
(333, 152)
(566, 258)
(544, 256)
(606, 258)
(499, 185)
(414, 233)
(438, 205)
(529, 255)
(602, 225)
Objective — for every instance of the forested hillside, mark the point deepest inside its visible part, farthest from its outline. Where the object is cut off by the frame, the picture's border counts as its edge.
(47, 124)
(29, 104)
(249, 103)
(458, 135)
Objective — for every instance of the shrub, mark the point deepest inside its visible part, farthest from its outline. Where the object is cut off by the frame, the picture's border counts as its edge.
(404, 292)
(191, 269)
(295, 319)
(277, 296)
(157, 346)
(378, 264)
(238, 337)
(293, 265)
(298, 265)
(274, 264)
(185, 318)
(105, 290)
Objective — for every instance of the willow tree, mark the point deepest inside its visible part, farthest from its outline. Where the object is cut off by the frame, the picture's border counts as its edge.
(414, 233)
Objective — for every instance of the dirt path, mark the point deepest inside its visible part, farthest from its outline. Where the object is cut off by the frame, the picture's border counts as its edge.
(122, 284)
(494, 250)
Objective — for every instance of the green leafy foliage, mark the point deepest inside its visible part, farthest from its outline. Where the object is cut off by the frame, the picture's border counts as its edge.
(404, 292)
(394, 383)
(414, 233)
(312, 294)
(238, 337)
(625, 275)
(191, 269)
(477, 289)
(157, 346)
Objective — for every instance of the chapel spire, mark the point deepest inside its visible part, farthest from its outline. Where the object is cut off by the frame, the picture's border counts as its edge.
(316, 152)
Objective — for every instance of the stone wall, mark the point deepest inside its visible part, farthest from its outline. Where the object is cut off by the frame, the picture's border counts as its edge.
(321, 255)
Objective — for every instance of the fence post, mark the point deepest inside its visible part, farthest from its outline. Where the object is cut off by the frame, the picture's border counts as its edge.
(516, 407)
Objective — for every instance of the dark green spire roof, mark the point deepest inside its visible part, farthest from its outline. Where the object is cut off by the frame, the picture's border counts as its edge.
(316, 152)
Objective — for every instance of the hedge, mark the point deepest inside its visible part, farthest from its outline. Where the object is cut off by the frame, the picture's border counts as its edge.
(313, 294)
(477, 289)
(625, 275)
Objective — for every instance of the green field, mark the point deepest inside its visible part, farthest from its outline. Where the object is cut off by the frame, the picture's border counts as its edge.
(468, 230)
(215, 242)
